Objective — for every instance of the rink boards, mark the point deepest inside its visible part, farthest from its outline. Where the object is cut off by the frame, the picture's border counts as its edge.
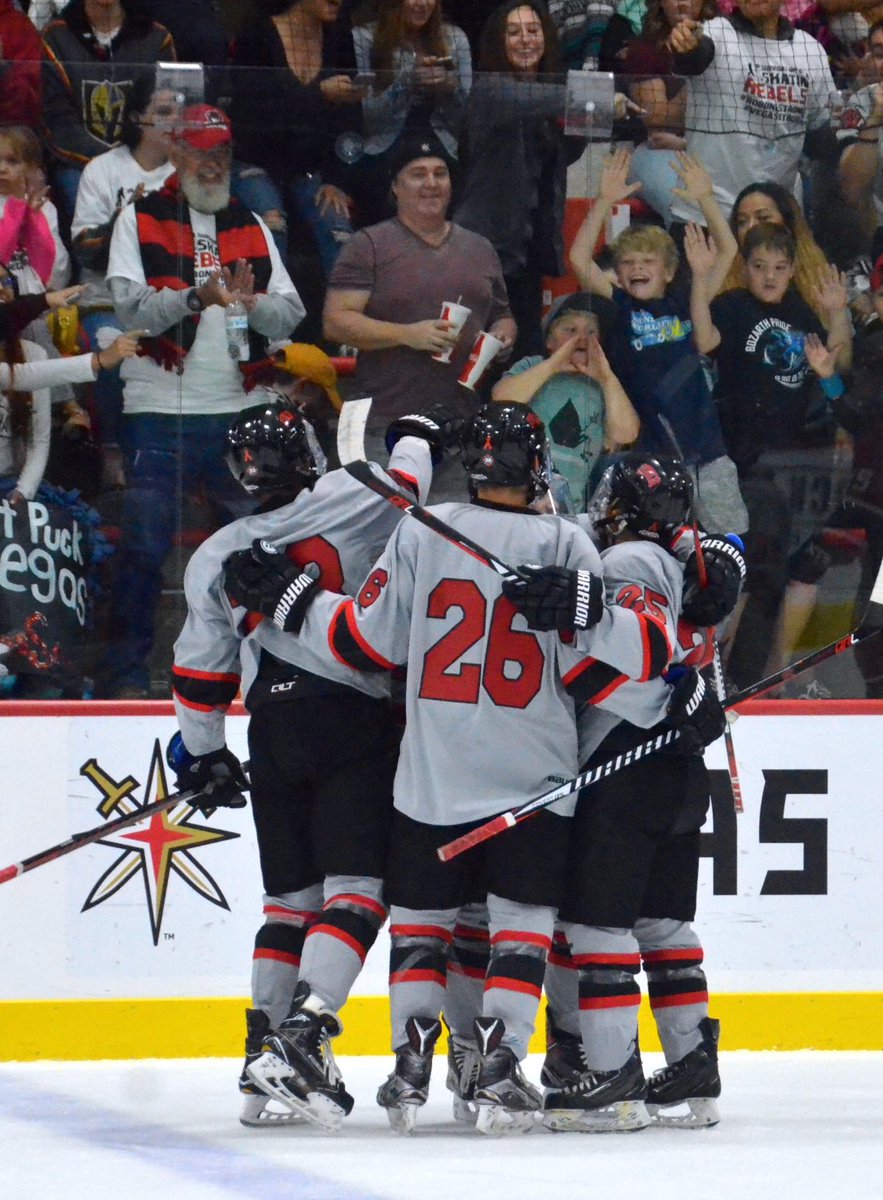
(140, 945)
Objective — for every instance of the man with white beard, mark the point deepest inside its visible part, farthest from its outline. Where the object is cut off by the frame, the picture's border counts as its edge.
(178, 258)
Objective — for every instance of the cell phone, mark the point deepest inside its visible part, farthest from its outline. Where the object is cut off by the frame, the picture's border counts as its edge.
(363, 79)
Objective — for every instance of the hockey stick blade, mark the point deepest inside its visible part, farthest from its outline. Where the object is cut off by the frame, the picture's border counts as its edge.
(87, 837)
(870, 625)
(351, 430)
(362, 472)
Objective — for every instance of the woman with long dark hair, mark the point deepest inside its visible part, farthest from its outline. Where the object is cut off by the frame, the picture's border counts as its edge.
(516, 156)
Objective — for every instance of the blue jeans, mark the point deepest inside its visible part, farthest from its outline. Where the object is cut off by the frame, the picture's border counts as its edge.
(255, 189)
(167, 458)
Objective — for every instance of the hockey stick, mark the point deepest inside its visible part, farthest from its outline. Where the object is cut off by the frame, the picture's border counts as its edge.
(870, 624)
(363, 473)
(732, 763)
(351, 430)
(76, 840)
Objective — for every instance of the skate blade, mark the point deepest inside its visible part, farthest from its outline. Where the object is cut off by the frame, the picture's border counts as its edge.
(694, 1113)
(403, 1117)
(465, 1111)
(625, 1116)
(494, 1120)
(273, 1076)
(256, 1113)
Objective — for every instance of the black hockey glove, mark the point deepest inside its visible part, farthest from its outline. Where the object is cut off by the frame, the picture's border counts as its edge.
(725, 564)
(557, 598)
(439, 426)
(265, 580)
(218, 776)
(694, 711)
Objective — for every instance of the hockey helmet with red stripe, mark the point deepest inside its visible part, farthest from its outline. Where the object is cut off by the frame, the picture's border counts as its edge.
(643, 493)
(271, 448)
(504, 445)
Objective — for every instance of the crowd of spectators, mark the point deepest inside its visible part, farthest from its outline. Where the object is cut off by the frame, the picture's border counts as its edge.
(339, 170)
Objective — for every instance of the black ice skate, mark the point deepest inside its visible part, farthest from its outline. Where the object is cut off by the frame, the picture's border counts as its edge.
(565, 1062)
(461, 1077)
(505, 1101)
(407, 1087)
(297, 1065)
(258, 1107)
(600, 1102)
(689, 1086)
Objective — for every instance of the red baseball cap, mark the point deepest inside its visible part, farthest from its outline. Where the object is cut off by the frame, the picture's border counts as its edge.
(204, 127)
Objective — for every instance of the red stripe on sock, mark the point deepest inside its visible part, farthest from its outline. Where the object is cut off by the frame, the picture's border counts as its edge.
(593, 1002)
(679, 1001)
(348, 940)
(293, 960)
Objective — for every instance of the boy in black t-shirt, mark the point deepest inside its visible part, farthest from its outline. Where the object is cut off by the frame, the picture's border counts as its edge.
(775, 387)
(652, 347)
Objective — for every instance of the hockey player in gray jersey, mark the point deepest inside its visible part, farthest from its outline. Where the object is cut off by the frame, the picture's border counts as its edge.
(630, 890)
(322, 742)
(490, 722)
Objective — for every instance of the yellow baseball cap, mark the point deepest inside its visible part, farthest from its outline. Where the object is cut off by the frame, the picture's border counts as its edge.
(309, 362)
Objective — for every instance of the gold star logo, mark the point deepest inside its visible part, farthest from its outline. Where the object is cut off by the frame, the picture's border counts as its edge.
(155, 848)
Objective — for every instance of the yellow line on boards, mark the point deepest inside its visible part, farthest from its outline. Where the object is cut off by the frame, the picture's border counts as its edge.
(214, 1027)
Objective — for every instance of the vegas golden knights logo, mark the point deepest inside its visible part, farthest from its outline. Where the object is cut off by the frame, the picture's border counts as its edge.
(103, 104)
(154, 850)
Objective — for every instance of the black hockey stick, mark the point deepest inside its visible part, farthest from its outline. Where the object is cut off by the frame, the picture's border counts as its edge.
(76, 840)
(870, 624)
(363, 473)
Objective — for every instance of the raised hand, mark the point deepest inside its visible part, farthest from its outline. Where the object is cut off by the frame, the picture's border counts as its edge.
(822, 358)
(830, 290)
(614, 186)
(700, 250)
(696, 183)
(125, 346)
(65, 296)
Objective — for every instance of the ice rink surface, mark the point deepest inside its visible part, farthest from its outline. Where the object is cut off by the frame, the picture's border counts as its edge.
(807, 1126)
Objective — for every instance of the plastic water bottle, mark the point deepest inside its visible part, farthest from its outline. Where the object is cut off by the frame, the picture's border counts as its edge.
(236, 321)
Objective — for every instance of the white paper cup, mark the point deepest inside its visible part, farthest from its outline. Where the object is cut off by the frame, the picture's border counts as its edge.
(458, 315)
(482, 354)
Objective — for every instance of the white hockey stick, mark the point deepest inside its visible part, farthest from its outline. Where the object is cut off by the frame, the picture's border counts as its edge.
(351, 430)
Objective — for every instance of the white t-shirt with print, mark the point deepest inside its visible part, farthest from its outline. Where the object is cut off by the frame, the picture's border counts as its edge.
(108, 182)
(748, 112)
(211, 381)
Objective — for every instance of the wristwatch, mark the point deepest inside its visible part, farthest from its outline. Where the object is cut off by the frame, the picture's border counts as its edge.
(194, 303)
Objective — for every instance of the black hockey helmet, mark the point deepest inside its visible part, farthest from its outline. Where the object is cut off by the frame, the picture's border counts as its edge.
(271, 448)
(643, 493)
(504, 445)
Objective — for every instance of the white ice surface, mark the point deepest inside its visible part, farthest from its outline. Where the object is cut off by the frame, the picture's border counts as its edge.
(807, 1126)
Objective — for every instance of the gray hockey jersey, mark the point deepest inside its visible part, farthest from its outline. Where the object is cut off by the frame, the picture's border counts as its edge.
(339, 525)
(489, 704)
